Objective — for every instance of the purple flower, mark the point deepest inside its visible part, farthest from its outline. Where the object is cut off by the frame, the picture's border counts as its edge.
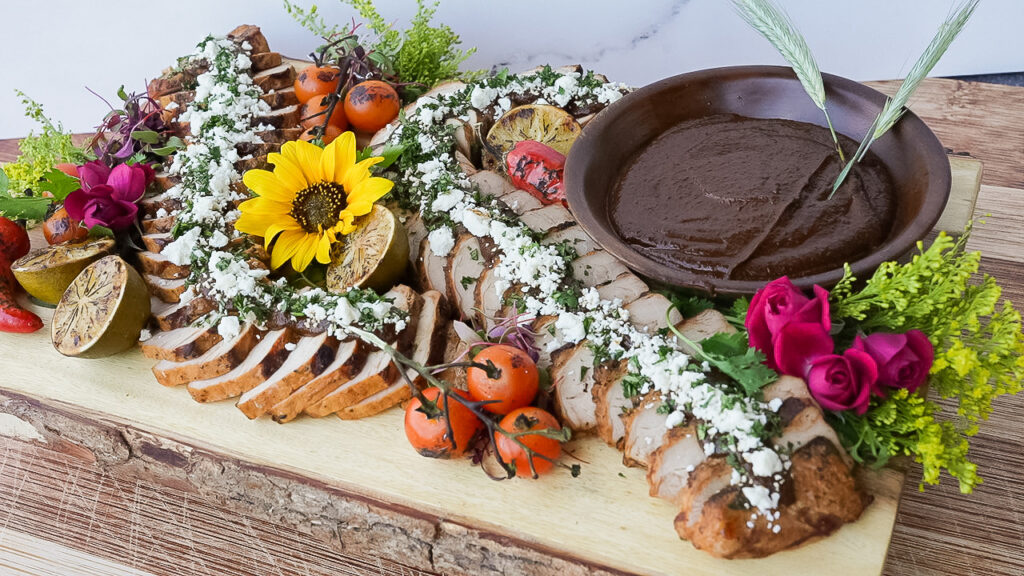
(843, 382)
(108, 197)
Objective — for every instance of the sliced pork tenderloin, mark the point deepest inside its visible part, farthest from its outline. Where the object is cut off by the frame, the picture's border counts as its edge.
(644, 430)
(610, 402)
(650, 313)
(180, 344)
(596, 268)
(307, 360)
(220, 359)
(349, 359)
(626, 289)
(263, 360)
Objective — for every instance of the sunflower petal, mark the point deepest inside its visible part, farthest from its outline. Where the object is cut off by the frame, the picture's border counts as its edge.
(323, 250)
(288, 172)
(256, 224)
(344, 147)
(359, 172)
(275, 229)
(304, 255)
(266, 184)
(307, 156)
(265, 206)
(370, 190)
(285, 247)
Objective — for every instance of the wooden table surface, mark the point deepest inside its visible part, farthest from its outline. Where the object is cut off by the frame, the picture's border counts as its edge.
(62, 509)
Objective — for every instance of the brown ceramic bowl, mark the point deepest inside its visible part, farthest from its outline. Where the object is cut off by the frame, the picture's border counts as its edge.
(910, 151)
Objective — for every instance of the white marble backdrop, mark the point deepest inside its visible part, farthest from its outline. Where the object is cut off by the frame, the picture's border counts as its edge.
(53, 49)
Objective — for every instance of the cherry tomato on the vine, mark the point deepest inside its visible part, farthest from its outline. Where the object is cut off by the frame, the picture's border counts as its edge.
(61, 228)
(370, 105)
(330, 133)
(515, 385)
(315, 79)
(524, 420)
(14, 242)
(313, 113)
(429, 436)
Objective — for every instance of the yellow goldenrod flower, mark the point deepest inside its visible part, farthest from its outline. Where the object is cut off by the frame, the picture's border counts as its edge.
(312, 196)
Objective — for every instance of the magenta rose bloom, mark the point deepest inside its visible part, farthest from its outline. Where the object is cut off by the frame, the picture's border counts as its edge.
(843, 382)
(108, 197)
(777, 305)
(903, 359)
(797, 344)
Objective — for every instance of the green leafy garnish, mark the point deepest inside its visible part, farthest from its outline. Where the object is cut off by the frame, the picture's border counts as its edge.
(731, 354)
(25, 207)
(39, 153)
(979, 354)
(59, 184)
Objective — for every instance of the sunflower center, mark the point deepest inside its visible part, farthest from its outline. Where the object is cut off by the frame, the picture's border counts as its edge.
(319, 206)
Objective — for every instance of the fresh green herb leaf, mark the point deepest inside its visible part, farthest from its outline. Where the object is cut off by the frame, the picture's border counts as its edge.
(59, 184)
(100, 232)
(474, 254)
(27, 207)
(390, 154)
(689, 306)
(467, 281)
(146, 136)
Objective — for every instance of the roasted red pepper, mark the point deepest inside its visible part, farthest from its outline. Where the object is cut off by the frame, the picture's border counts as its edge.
(13, 318)
(537, 168)
(14, 242)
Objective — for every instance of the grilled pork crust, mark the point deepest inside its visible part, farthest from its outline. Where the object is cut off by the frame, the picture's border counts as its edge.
(820, 496)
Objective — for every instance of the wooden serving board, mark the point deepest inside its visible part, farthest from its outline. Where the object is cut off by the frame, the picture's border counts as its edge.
(441, 515)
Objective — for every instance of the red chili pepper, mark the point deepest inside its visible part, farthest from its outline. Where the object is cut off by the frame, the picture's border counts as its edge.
(13, 318)
(537, 168)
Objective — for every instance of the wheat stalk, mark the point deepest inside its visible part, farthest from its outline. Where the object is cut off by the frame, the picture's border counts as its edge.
(896, 106)
(772, 23)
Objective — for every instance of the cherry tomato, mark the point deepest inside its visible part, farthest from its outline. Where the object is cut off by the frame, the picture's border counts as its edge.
(68, 168)
(370, 105)
(61, 228)
(429, 436)
(14, 242)
(313, 111)
(316, 80)
(516, 384)
(537, 168)
(523, 420)
(330, 133)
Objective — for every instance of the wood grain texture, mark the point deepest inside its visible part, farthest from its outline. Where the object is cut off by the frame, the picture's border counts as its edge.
(979, 120)
(939, 531)
(25, 555)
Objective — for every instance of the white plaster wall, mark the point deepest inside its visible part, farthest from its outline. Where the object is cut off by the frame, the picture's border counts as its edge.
(53, 49)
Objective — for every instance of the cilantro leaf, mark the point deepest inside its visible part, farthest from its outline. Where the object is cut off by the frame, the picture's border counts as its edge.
(732, 355)
(391, 153)
(689, 306)
(59, 184)
(29, 207)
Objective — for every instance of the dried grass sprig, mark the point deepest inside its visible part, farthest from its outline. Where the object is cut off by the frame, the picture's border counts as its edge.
(896, 106)
(771, 22)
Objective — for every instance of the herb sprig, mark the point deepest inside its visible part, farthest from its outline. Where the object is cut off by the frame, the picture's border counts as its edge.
(896, 106)
(772, 23)
(979, 356)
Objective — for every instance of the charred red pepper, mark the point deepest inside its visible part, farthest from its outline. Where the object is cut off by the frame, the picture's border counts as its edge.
(14, 242)
(13, 318)
(537, 168)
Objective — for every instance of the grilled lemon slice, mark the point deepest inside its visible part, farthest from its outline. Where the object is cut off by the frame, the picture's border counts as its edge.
(102, 312)
(546, 124)
(373, 256)
(47, 272)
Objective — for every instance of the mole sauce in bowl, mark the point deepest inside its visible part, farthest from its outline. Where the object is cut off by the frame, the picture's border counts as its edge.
(719, 180)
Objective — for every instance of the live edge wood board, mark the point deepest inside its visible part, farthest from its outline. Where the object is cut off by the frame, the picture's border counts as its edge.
(426, 514)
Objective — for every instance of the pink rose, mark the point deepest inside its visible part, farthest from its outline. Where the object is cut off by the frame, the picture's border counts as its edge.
(798, 343)
(108, 197)
(779, 304)
(903, 359)
(843, 382)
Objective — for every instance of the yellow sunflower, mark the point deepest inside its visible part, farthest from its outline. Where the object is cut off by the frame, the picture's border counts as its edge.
(312, 196)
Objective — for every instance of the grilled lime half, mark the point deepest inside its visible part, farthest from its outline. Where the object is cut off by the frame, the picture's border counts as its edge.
(373, 256)
(102, 312)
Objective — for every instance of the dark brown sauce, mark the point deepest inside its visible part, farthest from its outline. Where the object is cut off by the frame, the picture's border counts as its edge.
(747, 199)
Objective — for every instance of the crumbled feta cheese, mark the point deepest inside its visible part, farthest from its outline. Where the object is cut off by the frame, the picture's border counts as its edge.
(229, 327)
(441, 241)
(290, 347)
(760, 498)
(764, 462)
(145, 335)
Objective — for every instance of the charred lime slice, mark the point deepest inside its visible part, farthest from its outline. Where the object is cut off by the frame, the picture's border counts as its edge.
(373, 256)
(545, 124)
(47, 272)
(102, 312)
